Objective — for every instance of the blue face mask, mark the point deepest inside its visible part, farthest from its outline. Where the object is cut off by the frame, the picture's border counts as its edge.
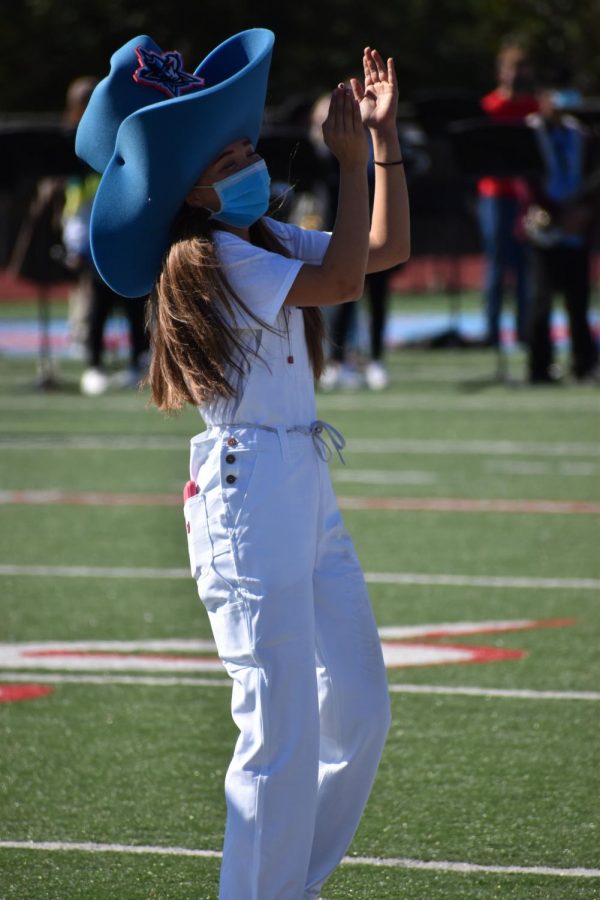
(244, 196)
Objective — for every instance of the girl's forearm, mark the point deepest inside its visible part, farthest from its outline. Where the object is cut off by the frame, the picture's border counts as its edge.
(345, 261)
(390, 224)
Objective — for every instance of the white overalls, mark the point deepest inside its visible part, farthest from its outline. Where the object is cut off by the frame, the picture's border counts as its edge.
(292, 622)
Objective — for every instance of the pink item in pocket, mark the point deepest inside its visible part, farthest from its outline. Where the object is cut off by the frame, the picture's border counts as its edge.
(190, 490)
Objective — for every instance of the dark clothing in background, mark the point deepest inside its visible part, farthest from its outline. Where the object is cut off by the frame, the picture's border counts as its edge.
(37, 254)
(345, 315)
(563, 265)
(566, 269)
(103, 302)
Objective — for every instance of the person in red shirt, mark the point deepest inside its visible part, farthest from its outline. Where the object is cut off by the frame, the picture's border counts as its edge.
(512, 100)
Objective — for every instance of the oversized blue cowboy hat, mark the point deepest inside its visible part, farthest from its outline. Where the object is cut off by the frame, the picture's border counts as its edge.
(151, 129)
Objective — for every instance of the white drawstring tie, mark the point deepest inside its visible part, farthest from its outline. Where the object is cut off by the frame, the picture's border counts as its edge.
(319, 430)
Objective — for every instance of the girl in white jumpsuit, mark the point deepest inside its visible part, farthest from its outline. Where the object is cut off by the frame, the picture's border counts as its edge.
(289, 611)
(275, 567)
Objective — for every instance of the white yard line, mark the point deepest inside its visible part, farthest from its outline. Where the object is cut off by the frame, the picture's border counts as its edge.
(431, 446)
(435, 446)
(425, 402)
(467, 868)
(199, 645)
(92, 847)
(94, 571)
(492, 692)
(390, 862)
(137, 680)
(434, 579)
(494, 581)
(390, 504)
(192, 681)
(528, 468)
(418, 401)
(93, 442)
(383, 476)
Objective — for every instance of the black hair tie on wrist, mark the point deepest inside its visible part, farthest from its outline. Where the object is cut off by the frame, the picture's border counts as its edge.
(397, 162)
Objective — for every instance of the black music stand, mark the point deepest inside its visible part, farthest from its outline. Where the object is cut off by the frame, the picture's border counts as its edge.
(440, 198)
(437, 109)
(483, 147)
(37, 150)
(588, 113)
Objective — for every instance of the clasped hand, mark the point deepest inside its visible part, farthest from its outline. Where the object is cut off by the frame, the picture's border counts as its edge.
(343, 130)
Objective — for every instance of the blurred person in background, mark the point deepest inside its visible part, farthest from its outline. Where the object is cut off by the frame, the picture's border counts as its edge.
(80, 296)
(38, 256)
(52, 246)
(342, 320)
(563, 210)
(93, 301)
(343, 325)
(512, 100)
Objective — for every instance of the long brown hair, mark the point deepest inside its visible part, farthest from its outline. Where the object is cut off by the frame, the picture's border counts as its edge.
(195, 347)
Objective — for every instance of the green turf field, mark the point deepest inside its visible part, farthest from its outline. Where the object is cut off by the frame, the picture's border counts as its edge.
(492, 764)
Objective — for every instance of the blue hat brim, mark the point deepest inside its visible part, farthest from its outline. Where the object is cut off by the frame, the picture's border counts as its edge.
(160, 151)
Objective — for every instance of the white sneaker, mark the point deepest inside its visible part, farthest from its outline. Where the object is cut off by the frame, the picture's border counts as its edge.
(93, 382)
(330, 377)
(350, 379)
(340, 375)
(125, 378)
(376, 376)
(77, 351)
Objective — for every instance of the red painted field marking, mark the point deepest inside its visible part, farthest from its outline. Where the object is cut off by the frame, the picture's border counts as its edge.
(402, 646)
(397, 654)
(66, 653)
(400, 655)
(13, 693)
(83, 498)
(452, 629)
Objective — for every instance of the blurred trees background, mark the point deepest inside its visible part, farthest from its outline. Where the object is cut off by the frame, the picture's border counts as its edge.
(436, 43)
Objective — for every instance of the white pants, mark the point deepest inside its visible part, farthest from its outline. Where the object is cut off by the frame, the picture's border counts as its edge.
(293, 625)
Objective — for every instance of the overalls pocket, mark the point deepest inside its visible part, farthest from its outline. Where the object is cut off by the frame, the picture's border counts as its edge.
(231, 631)
(200, 546)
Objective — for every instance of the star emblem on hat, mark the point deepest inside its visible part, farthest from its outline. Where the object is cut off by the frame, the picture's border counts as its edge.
(164, 71)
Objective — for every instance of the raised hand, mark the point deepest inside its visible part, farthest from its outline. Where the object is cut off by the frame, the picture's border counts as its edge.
(378, 98)
(343, 130)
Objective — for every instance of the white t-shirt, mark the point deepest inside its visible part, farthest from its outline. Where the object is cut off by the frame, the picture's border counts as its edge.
(273, 391)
